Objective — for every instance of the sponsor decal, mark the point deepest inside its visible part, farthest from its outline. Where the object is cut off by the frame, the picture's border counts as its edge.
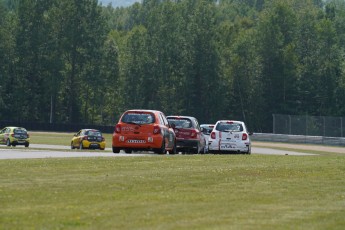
(127, 129)
(184, 133)
(136, 141)
(227, 146)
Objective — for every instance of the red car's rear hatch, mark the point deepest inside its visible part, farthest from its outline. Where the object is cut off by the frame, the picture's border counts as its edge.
(183, 127)
(138, 123)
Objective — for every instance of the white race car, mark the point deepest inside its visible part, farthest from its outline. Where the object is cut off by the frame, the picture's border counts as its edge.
(229, 136)
(206, 129)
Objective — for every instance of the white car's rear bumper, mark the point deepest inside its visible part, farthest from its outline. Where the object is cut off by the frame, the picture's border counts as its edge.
(228, 147)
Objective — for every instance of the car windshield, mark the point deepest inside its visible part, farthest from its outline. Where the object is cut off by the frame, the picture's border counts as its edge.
(95, 133)
(138, 118)
(181, 122)
(229, 127)
(20, 131)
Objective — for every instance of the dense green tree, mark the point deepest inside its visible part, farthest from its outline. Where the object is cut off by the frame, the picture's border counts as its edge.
(203, 81)
(276, 41)
(8, 23)
(31, 48)
(335, 11)
(317, 45)
(110, 95)
(74, 61)
(81, 33)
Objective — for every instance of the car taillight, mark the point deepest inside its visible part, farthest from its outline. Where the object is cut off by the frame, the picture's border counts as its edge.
(213, 135)
(118, 128)
(156, 129)
(244, 136)
(193, 134)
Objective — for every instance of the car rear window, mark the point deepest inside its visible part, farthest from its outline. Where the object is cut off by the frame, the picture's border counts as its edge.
(20, 131)
(94, 133)
(207, 129)
(138, 118)
(229, 127)
(181, 122)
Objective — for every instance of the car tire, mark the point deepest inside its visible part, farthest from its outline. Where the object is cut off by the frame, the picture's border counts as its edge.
(26, 145)
(116, 150)
(101, 148)
(203, 151)
(128, 151)
(72, 147)
(161, 150)
(8, 142)
(249, 151)
(173, 151)
(197, 150)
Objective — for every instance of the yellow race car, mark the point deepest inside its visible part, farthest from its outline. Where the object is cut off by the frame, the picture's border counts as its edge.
(88, 139)
(14, 136)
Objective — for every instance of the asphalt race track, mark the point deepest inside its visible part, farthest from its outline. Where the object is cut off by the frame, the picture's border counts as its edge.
(58, 151)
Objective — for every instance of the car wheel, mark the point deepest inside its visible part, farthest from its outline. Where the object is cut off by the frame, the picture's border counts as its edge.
(173, 151)
(162, 149)
(101, 148)
(249, 150)
(72, 147)
(197, 150)
(203, 151)
(81, 145)
(128, 150)
(116, 150)
(26, 145)
(8, 142)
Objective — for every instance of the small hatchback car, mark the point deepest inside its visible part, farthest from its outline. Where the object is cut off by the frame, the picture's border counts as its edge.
(206, 129)
(146, 130)
(14, 136)
(229, 136)
(189, 138)
(88, 139)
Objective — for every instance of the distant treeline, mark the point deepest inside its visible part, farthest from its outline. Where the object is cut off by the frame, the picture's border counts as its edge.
(74, 61)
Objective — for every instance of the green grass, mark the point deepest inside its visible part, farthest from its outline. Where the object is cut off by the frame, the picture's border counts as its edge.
(58, 138)
(174, 192)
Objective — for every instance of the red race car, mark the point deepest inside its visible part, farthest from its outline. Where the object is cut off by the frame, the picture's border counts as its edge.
(189, 137)
(146, 130)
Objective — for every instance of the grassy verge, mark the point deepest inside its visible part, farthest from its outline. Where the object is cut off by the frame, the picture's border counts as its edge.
(174, 192)
(57, 138)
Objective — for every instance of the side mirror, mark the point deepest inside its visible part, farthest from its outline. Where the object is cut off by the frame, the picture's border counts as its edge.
(250, 133)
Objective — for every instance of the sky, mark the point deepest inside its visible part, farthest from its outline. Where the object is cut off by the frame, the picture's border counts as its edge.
(116, 3)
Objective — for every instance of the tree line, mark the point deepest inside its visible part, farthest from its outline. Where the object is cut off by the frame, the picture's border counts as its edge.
(75, 61)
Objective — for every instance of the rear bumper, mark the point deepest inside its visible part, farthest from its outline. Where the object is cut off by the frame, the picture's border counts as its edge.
(215, 147)
(93, 145)
(190, 144)
(20, 142)
(137, 142)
